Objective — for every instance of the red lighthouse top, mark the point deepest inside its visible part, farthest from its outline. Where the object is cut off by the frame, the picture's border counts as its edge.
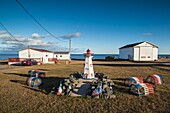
(88, 51)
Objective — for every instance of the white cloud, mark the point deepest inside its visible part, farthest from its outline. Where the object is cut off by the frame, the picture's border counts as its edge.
(76, 34)
(3, 32)
(11, 45)
(36, 35)
(27, 41)
(147, 34)
(69, 36)
(4, 36)
(7, 39)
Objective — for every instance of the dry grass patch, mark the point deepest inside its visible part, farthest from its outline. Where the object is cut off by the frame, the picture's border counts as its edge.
(15, 96)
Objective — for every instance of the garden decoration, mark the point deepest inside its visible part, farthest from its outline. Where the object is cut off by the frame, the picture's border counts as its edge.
(88, 68)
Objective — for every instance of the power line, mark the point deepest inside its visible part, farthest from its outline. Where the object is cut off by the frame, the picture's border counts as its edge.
(43, 26)
(37, 21)
(14, 38)
(10, 33)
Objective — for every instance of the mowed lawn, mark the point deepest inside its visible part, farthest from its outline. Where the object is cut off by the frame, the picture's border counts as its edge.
(16, 97)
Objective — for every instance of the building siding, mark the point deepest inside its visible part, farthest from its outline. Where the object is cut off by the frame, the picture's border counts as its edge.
(141, 52)
(126, 53)
(33, 54)
(155, 54)
(62, 56)
(136, 54)
(43, 56)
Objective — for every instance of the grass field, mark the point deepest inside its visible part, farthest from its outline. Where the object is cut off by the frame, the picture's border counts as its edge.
(15, 96)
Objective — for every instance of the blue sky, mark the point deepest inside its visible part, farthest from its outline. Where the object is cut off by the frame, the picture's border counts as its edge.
(101, 25)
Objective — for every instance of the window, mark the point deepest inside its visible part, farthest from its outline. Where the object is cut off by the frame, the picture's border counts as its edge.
(46, 55)
(143, 56)
(60, 55)
(149, 57)
(56, 56)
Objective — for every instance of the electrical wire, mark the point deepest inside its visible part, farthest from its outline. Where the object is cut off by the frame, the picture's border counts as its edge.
(38, 21)
(41, 24)
(10, 34)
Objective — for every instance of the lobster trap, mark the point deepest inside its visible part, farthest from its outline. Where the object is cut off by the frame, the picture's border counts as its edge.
(133, 80)
(141, 89)
(36, 73)
(155, 79)
(33, 81)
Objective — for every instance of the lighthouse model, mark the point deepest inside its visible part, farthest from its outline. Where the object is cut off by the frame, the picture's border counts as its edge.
(88, 67)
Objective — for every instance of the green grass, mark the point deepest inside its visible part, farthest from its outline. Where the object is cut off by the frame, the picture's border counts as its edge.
(15, 96)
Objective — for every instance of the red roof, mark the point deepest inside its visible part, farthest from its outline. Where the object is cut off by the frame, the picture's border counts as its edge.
(41, 50)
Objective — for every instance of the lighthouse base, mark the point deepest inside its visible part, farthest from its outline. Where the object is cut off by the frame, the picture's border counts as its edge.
(82, 87)
(87, 78)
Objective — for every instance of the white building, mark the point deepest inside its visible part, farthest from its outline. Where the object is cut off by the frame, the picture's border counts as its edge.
(142, 51)
(42, 55)
(37, 54)
(62, 55)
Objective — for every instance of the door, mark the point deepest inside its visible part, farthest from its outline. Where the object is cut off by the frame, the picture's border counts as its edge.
(145, 53)
(45, 59)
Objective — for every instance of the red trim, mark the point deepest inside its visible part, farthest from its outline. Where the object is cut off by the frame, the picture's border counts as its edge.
(86, 75)
(155, 78)
(13, 59)
(151, 90)
(40, 50)
(140, 79)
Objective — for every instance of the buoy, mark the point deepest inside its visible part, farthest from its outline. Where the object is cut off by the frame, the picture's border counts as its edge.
(98, 91)
(60, 89)
(100, 88)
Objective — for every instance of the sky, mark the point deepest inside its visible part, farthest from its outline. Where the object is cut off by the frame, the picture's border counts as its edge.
(101, 25)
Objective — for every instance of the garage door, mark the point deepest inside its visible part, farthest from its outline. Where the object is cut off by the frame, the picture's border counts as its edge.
(145, 53)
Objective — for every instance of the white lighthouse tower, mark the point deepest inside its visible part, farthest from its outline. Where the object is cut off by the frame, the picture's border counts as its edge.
(88, 68)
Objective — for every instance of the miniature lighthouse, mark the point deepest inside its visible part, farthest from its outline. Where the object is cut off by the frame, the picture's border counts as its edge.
(88, 68)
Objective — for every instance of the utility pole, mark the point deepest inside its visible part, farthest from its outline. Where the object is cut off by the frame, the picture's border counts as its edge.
(29, 52)
(70, 46)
